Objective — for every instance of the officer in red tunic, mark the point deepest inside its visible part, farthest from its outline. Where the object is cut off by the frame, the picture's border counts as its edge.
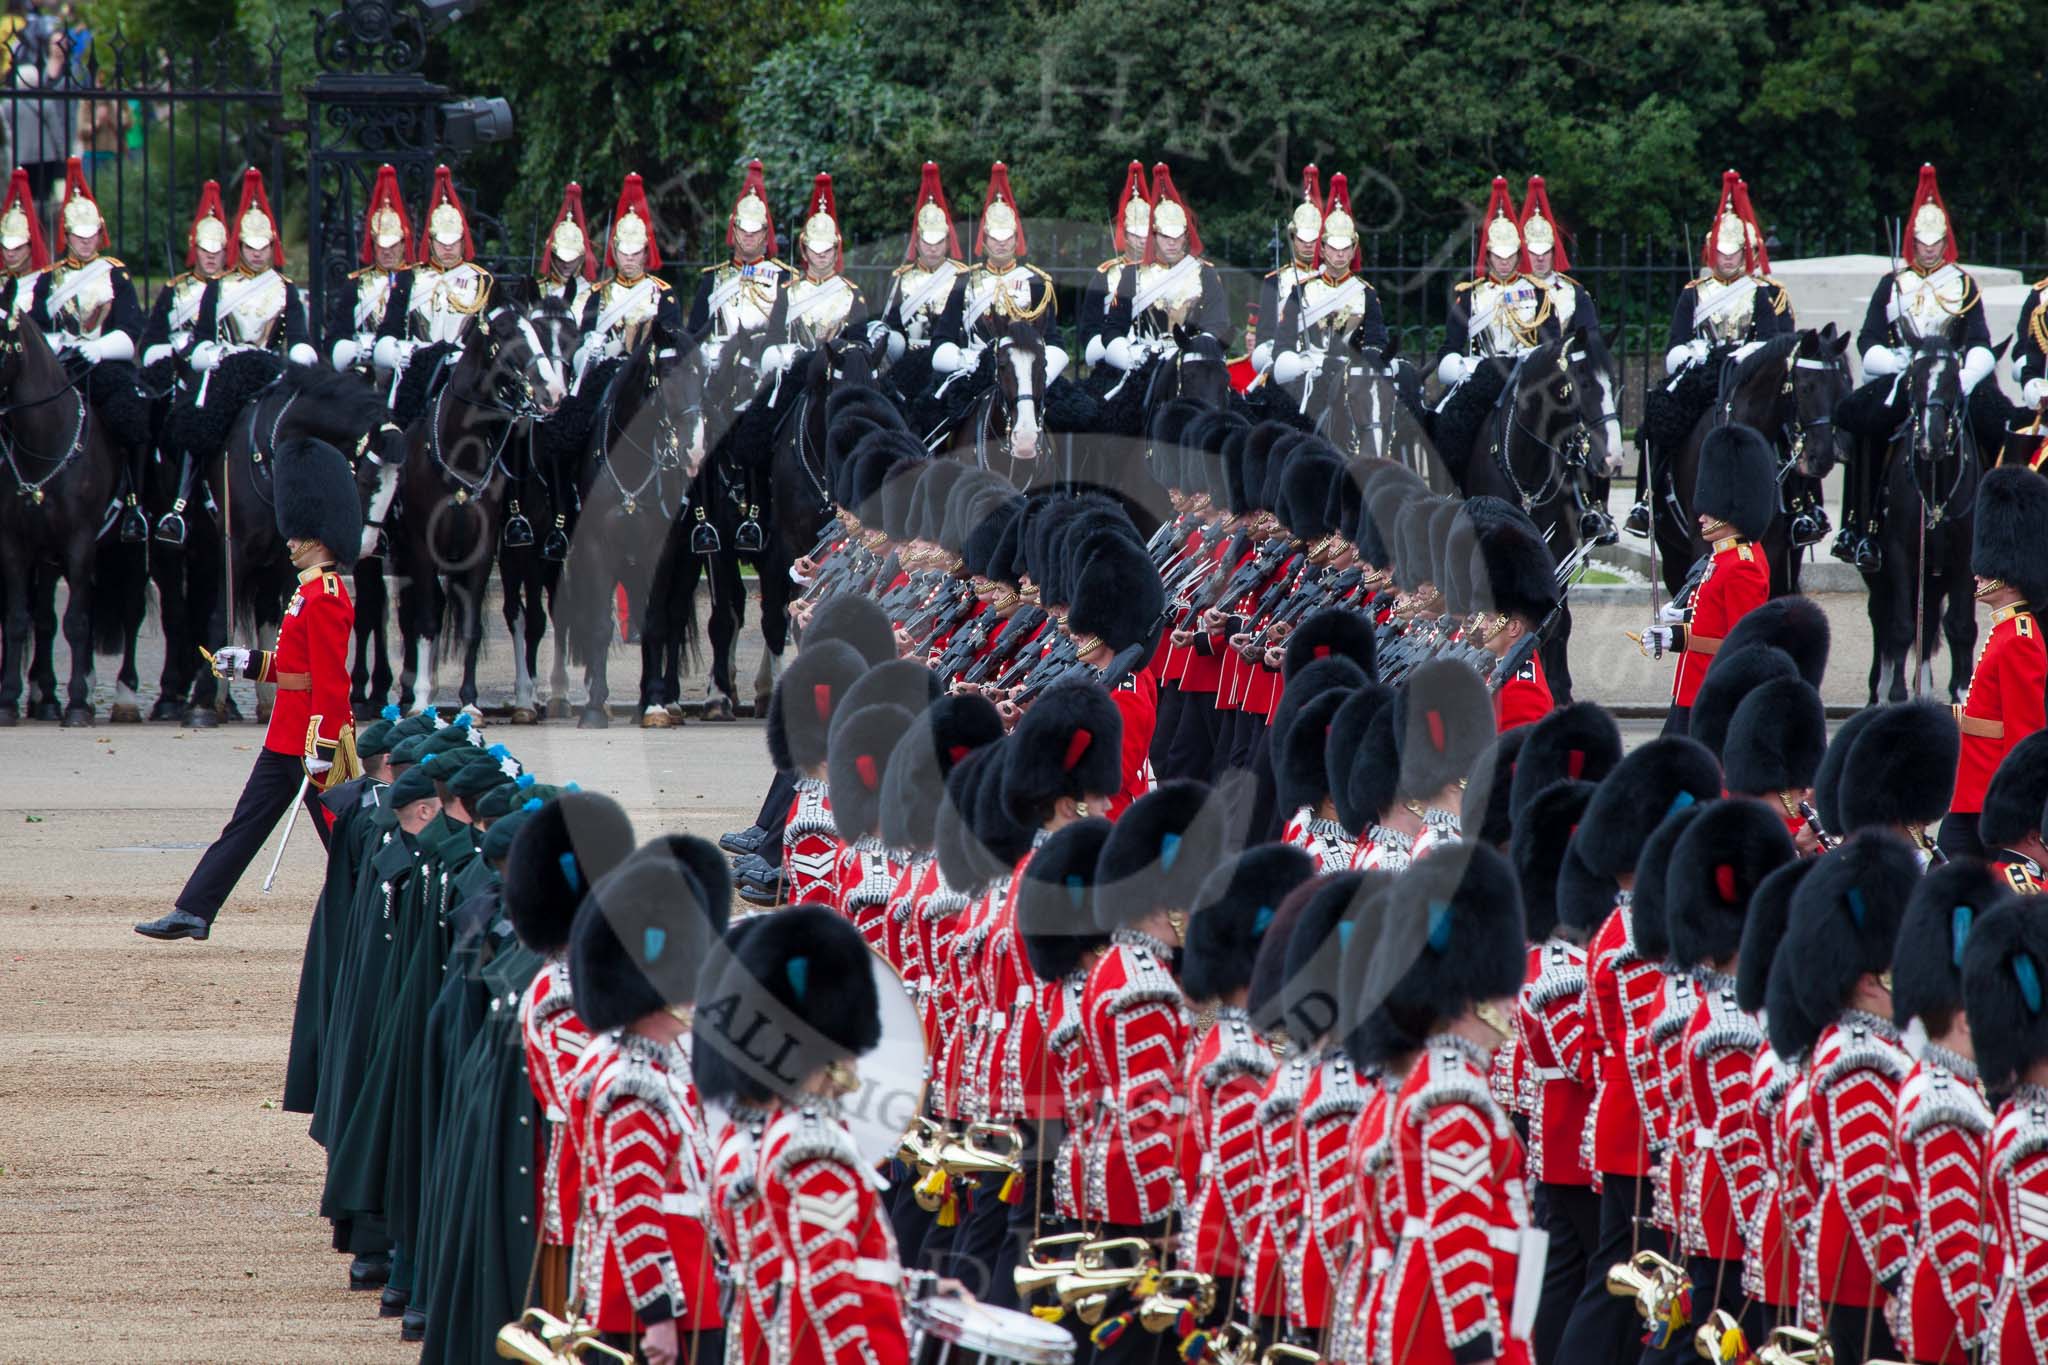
(2005, 975)
(1734, 498)
(310, 745)
(1514, 597)
(2006, 696)
(1832, 970)
(1943, 1126)
(2011, 824)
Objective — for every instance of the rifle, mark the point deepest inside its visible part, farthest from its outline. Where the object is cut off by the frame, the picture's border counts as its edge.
(1020, 627)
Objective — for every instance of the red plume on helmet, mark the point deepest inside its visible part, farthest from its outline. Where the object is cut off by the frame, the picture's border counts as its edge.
(1536, 204)
(1735, 200)
(931, 191)
(1164, 192)
(210, 206)
(75, 189)
(1499, 208)
(19, 192)
(633, 200)
(571, 211)
(1926, 193)
(253, 196)
(1134, 188)
(999, 192)
(755, 184)
(1311, 185)
(823, 201)
(444, 193)
(385, 195)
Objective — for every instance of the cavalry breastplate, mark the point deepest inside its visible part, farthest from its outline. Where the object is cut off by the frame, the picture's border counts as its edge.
(1930, 305)
(19, 291)
(1724, 310)
(186, 292)
(444, 302)
(995, 299)
(91, 300)
(1564, 300)
(1173, 307)
(749, 297)
(572, 291)
(1319, 292)
(373, 295)
(1505, 317)
(250, 307)
(1285, 279)
(913, 282)
(624, 309)
(818, 308)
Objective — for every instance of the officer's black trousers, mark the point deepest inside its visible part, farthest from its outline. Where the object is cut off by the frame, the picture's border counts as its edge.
(1571, 1215)
(774, 816)
(265, 796)
(1859, 1334)
(1603, 1327)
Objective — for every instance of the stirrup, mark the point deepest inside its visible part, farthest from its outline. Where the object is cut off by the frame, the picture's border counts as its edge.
(170, 529)
(1805, 530)
(1596, 527)
(1844, 547)
(1638, 523)
(747, 537)
(703, 536)
(134, 526)
(518, 532)
(1869, 555)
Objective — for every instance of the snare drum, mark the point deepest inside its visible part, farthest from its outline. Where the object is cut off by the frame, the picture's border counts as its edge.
(963, 1332)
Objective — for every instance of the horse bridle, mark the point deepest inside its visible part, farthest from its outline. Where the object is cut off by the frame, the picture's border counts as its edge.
(1571, 451)
(1375, 427)
(658, 461)
(1920, 425)
(32, 489)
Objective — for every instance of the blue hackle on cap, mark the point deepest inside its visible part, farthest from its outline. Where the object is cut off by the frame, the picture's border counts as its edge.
(653, 939)
(1077, 889)
(571, 873)
(1959, 929)
(1679, 803)
(2029, 976)
(498, 751)
(391, 712)
(1262, 919)
(798, 971)
(1169, 849)
(1857, 909)
(523, 781)
(532, 803)
(461, 722)
(1439, 925)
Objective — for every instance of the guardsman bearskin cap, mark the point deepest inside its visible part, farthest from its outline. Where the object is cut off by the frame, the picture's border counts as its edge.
(2006, 542)
(1331, 631)
(1738, 479)
(1335, 673)
(1902, 768)
(914, 787)
(1443, 719)
(571, 842)
(1776, 739)
(796, 992)
(1056, 900)
(857, 761)
(1343, 904)
(1827, 781)
(1236, 906)
(1485, 814)
(964, 862)
(1267, 1000)
(317, 498)
(858, 621)
(2013, 801)
(1763, 929)
(1580, 743)
(1069, 743)
(1454, 937)
(807, 694)
(640, 940)
(1927, 966)
(1301, 774)
(2005, 972)
(1358, 755)
(1543, 833)
(1793, 623)
(1163, 848)
(1647, 928)
(1713, 874)
(1117, 596)
(1648, 784)
(1519, 574)
(1733, 677)
(897, 682)
(1845, 920)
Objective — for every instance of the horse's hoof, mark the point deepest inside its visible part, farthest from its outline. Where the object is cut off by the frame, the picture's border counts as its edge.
(77, 716)
(762, 701)
(525, 715)
(10, 716)
(229, 713)
(169, 708)
(124, 713)
(559, 708)
(717, 708)
(655, 718)
(475, 714)
(594, 718)
(46, 709)
(202, 718)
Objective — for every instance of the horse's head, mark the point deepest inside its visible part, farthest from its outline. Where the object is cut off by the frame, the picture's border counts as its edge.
(1581, 392)
(1934, 395)
(520, 375)
(851, 361)
(560, 333)
(1020, 380)
(1359, 387)
(1819, 379)
(23, 351)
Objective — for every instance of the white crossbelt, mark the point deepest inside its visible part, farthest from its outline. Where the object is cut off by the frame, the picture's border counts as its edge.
(231, 296)
(829, 292)
(1175, 275)
(91, 272)
(1352, 292)
(939, 279)
(683, 1204)
(630, 297)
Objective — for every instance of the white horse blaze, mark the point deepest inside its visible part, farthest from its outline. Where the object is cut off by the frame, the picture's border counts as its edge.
(380, 503)
(1024, 431)
(1613, 425)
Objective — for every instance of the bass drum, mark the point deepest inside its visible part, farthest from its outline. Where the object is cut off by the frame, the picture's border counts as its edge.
(963, 1332)
(892, 1076)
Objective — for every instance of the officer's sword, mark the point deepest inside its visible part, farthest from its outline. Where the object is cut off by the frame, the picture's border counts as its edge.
(291, 823)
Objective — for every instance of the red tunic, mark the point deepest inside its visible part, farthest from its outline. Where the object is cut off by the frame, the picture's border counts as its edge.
(1137, 702)
(310, 667)
(2004, 703)
(1738, 580)
(1330, 1106)
(1859, 1239)
(1523, 699)
(1558, 1052)
(1276, 1225)
(1080, 1092)
(1943, 1130)
(555, 1040)
(1721, 1155)
(862, 880)
(1625, 995)
(1137, 1033)
(741, 1220)
(2017, 1206)
(1227, 1075)
(810, 845)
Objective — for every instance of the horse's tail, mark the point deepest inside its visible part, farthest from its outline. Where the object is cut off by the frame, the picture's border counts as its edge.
(120, 594)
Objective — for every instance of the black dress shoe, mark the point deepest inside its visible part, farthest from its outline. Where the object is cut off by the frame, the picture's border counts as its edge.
(414, 1328)
(740, 841)
(391, 1304)
(177, 924)
(370, 1271)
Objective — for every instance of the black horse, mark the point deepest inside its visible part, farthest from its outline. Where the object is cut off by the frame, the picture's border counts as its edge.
(541, 500)
(1786, 388)
(1931, 467)
(1554, 426)
(1003, 429)
(60, 468)
(634, 490)
(1367, 402)
(451, 485)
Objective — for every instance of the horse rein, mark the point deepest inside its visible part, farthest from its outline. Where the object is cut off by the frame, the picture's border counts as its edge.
(32, 489)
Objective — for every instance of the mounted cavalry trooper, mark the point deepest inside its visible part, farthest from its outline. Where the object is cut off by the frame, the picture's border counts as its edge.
(85, 305)
(1324, 309)
(1304, 237)
(23, 254)
(1929, 298)
(1106, 305)
(449, 290)
(999, 291)
(1175, 286)
(742, 295)
(823, 303)
(567, 270)
(1733, 302)
(1500, 313)
(168, 333)
(922, 289)
(382, 287)
(253, 307)
(1544, 250)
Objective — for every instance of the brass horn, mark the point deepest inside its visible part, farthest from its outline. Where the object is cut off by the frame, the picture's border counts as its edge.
(1039, 1272)
(1234, 1344)
(1657, 1285)
(1180, 1291)
(541, 1338)
(1796, 1346)
(1101, 1269)
(1721, 1339)
(1280, 1353)
(985, 1149)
